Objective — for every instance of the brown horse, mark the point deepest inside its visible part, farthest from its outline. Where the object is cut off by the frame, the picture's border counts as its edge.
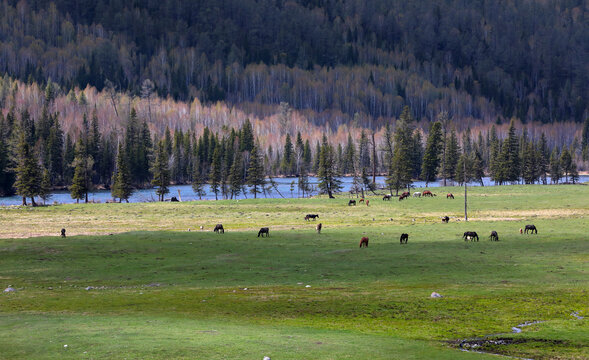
(361, 200)
(428, 193)
(367, 202)
(404, 238)
(263, 231)
(318, 228)
(219, 229)
(404, 195)
(449, 196)
(364, 242)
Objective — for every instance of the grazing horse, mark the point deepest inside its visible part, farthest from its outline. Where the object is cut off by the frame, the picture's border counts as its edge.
(494, 236)
(445, 219)
(470, 235)
(404, 238)
(531, 228)
(386, 197)
(311, 216)
(62, 232)
(318, 228)
(263, 231)
(449, 196)
(364, 242)
(521, 231)
(219, 229)
(361, 200)
(404, 195)
(352, 202)
(367, 202)
(428, 193)
(417, 194)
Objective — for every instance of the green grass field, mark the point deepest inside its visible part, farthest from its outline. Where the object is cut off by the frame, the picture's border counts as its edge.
(160, 291)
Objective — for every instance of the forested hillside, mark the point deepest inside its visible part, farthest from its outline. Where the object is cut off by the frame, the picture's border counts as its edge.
(337, 61)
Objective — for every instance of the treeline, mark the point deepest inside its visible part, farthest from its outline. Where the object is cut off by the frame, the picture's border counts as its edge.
(338, 60)
(36, 156)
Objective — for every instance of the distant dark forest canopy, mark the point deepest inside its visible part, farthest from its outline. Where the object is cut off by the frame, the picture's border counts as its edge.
(332, 59)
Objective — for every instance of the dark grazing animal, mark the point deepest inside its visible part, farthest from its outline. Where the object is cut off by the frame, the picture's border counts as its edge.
(263, 231)
(352, 202)
(62, 232)
(219, 229)
(445, 219)
(311, 216)
(318, 228)
(494, 236)
(470, 235)
(531, 228)
(361, 200)
(404, 238)
(174, 199)
(364, 242)
(428, 193)
(404, 195)
(449, 196)
(386, 197)
(367, 202)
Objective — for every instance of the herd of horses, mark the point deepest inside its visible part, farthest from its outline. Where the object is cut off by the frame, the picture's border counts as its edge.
(467, 236)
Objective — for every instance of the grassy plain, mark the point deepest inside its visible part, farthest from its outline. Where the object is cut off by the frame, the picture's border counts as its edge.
(163, 292)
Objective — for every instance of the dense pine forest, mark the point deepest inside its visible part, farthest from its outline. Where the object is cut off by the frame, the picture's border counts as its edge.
(126, 95)
(336, 60)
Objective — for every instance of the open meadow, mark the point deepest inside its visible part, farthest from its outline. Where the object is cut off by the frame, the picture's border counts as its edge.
(131, 281)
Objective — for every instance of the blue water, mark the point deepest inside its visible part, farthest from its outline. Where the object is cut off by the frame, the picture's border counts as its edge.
(187, 194)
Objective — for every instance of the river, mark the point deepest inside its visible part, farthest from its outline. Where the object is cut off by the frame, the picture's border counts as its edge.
(187, 194)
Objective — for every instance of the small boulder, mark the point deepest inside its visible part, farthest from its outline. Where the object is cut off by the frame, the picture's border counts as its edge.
(435, 295)
(9, 289)
(89, 288)
(266, 358)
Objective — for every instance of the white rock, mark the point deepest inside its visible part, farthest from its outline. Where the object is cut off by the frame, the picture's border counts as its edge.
(307, 286)
(90, 288)
(9, 289)
(266, 358)
(65, 346)
(435, 295)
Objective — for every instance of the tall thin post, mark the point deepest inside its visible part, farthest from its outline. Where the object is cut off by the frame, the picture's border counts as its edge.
(465, 191)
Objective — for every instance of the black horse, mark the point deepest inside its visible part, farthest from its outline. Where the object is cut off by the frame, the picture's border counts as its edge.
(470, 235)
(531, 228)
(445, 219)
(386, 197)
(311, 216)
(219, 229)
(494, 236)
(263, 231)
(404, 238)
(352, 202)
(62, 232)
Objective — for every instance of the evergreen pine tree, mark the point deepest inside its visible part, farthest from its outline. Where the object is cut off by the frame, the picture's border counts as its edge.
(326, 172)
(416, 154)
(82, 181)
(122, 187)
(45, 188)
(255, 174)
(236, 175)
(585, 140)
(566, 162)
(431, 156)
(215, 173)
(402, 163)
(198, 180)
(160, 170)
(28, 171)
(288, 161)
(246, 136)
(555, 169)
(452, 155)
